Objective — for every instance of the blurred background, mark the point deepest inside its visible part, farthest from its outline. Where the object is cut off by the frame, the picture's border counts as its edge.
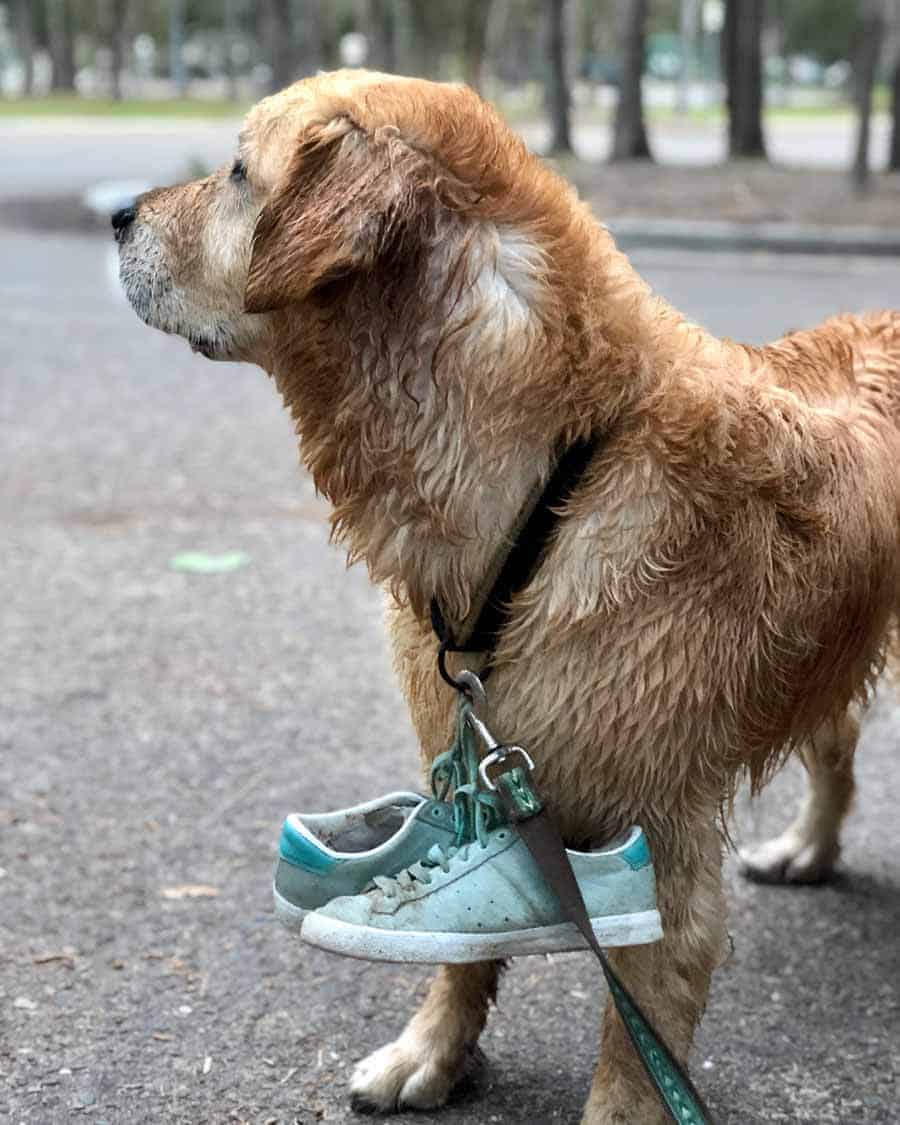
(184, 656)
(779, 86)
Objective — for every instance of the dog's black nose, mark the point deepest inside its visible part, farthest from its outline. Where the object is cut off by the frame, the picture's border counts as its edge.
(122, 219)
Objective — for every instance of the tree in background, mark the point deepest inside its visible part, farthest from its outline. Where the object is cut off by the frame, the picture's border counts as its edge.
(742, 65)
(277, 31)
(117, 36)
(229, 35)
(177, 72)
(314, 45)
(475, 16)
(427, 32)
(61, 41)
(894, 151)
(629, 130)
(380, 21)
(864, 68)
(894, 146)
(558, 97)
(25, 42)
(824, 28)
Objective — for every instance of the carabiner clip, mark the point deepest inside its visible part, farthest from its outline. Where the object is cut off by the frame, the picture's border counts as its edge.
(499, 756)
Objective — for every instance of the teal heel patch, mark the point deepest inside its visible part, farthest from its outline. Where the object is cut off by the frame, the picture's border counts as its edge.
(637, 854)
(302, 852)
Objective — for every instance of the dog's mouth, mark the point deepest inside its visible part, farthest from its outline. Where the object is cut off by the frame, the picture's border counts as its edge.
(162, 304)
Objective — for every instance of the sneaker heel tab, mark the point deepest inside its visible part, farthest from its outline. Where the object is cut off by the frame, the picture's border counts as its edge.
(637, 854)
(300, 850)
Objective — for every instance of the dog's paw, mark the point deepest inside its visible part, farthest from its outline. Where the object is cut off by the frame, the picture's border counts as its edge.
(789, 859)
(407, 1074)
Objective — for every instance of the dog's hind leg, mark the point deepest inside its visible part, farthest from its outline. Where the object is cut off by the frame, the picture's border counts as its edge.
(418, 1070)
(808, 850)
(669, 979)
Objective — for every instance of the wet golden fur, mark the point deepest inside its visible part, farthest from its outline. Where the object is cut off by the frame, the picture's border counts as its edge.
(440, 313)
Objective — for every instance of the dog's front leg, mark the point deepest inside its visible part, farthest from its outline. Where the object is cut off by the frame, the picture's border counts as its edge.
(419, 1069)
(669, 979)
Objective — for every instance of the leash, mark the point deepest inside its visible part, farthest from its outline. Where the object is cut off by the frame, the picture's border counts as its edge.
(510, 572)
(524, 808)
(514, 563)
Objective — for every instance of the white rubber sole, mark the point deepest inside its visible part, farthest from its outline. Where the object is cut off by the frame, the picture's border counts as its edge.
(372, 944)
(286, 913)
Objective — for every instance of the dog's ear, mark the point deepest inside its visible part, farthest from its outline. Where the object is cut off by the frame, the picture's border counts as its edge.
(344, 203)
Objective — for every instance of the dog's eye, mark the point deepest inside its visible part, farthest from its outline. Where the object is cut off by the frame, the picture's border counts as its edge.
(238, 171)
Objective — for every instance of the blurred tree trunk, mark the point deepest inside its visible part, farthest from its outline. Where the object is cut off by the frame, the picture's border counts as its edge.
(381, 31)
(177, 72)
(25, 40)
(426, 56)
(278, 42)
(557, 96)
(689, 30)
(476, 14)
(229, 35)
(62, 44)
(311, 36)
(864, 67)
(629, 132)
(742, 63)
(894, 153)
(118, 43)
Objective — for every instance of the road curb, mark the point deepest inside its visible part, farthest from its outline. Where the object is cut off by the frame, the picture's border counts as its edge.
(778, 238)
(89, 211)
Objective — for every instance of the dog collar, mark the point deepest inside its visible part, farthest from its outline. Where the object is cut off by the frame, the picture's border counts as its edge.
(514, 565)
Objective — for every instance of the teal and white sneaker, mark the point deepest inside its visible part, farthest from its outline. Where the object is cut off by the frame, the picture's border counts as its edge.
(487, 899)
(323, 855)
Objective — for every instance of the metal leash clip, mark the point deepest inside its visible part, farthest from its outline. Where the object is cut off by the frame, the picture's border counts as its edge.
(497, 754)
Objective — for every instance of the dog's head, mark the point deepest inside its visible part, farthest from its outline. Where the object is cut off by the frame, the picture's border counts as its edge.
(338, 176)
(418, 283)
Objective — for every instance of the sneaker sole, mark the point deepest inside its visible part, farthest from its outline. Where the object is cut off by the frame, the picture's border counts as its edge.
(286, 913)
(372, 944)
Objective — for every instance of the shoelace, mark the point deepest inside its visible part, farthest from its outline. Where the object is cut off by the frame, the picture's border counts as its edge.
(475, 812)
(420, 871)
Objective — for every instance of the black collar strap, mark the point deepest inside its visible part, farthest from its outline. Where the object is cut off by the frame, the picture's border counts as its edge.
(529, 538)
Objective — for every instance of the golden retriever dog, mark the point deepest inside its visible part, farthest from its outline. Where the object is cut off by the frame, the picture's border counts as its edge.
(442, 316)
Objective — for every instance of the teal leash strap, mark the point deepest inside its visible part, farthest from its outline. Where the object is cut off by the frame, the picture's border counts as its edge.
(475, 811)
(673, 1085)
(671, 1081)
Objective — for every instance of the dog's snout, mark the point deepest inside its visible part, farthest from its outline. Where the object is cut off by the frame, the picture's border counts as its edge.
(122, 220)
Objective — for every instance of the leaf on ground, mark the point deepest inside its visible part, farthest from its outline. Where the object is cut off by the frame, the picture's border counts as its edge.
(65, 957)
(189, 890)
(199, 562)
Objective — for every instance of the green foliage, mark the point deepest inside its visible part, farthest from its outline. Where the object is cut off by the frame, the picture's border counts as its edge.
(826, 29)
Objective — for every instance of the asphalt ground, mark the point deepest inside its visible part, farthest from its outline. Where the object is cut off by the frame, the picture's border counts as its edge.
(156, 726)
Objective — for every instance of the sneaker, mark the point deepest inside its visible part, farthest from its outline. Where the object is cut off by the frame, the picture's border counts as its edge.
(488, 899)
(323, 855)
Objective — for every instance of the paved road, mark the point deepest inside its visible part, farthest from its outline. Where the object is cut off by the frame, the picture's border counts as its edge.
(155, 727)
(52, 157)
